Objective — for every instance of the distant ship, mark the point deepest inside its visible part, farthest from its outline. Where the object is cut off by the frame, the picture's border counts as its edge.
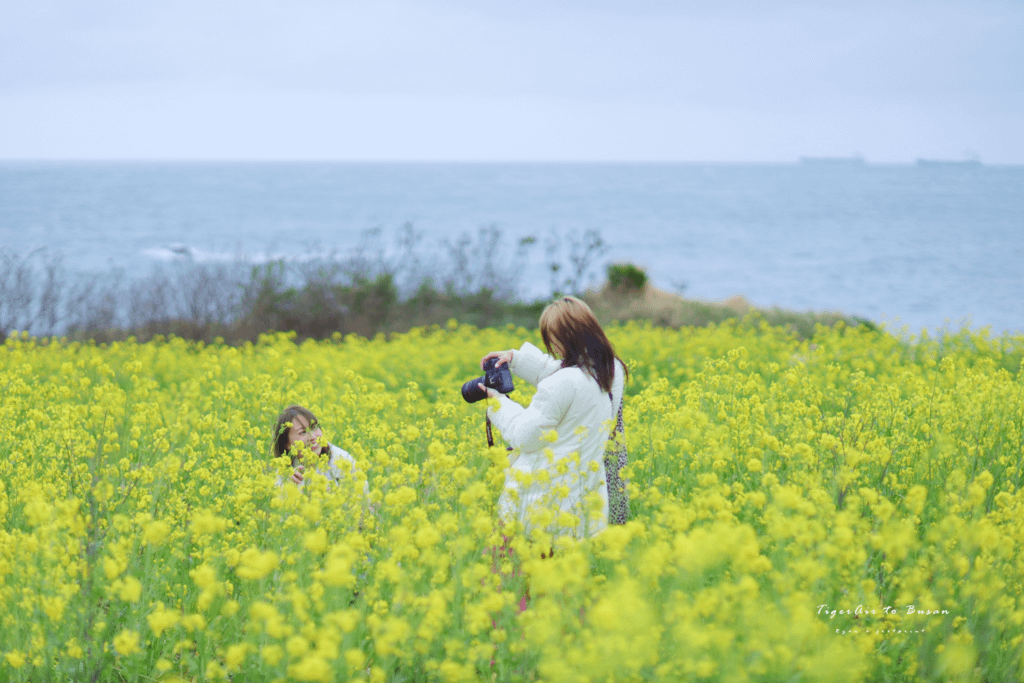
(949, 162)
(833, 161)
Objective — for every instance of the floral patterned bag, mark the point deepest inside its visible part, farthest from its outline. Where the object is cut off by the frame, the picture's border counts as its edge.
(615, 458)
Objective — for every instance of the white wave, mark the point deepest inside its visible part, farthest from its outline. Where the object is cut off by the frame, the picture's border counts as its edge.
(179, 252)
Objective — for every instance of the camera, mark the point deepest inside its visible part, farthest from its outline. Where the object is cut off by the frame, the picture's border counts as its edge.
(499, 379)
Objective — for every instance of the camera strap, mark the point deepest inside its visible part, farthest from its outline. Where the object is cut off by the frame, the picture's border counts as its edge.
(490, 436)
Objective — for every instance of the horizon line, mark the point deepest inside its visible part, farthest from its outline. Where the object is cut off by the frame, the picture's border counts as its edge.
(801, 160)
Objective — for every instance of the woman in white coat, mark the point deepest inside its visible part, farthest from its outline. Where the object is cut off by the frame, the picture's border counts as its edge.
(557, 480)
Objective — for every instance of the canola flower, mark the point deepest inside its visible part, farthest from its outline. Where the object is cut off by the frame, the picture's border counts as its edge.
(845, 509)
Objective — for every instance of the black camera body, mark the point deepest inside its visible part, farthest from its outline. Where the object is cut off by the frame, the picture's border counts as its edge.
(497, 378)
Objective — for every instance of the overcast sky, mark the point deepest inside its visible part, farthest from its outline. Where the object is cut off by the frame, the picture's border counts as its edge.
(597, 80)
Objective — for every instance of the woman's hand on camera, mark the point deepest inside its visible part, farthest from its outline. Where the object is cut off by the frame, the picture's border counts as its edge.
(491, 393)
(504, 358)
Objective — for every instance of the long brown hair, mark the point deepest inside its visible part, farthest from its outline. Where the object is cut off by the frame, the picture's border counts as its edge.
(571, 324)
(279, 447)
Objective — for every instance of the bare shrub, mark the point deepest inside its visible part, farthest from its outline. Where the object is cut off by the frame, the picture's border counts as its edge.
(486, 264)
(584, 251)
(372, 289)
(31, 289)
(94, 303)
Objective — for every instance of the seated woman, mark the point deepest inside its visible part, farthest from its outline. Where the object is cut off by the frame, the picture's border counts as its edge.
(298, 431)
(558, 482)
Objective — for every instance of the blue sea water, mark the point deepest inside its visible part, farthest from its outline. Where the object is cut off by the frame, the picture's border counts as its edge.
(915, 245)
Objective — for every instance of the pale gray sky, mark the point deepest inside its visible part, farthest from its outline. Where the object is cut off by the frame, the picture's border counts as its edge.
(547, 81)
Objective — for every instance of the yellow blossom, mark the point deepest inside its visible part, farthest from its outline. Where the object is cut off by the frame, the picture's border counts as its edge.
(126, 643)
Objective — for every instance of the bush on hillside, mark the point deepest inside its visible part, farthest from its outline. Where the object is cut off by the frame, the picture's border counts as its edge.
(626, 277)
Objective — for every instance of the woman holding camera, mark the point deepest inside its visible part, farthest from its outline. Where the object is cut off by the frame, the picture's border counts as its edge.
(559, 481)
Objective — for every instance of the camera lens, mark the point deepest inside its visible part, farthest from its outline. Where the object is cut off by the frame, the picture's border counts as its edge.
(471, 392)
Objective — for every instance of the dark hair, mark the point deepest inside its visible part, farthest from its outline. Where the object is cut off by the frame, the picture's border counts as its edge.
(279, 446)
(570, 322)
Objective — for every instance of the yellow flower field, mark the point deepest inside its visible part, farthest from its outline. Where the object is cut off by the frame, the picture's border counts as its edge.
(842, 510)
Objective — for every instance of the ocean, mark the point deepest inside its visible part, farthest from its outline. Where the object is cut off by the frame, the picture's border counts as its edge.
(915, 246)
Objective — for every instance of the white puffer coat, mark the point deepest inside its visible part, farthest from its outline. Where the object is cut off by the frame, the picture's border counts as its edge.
(569, 415)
